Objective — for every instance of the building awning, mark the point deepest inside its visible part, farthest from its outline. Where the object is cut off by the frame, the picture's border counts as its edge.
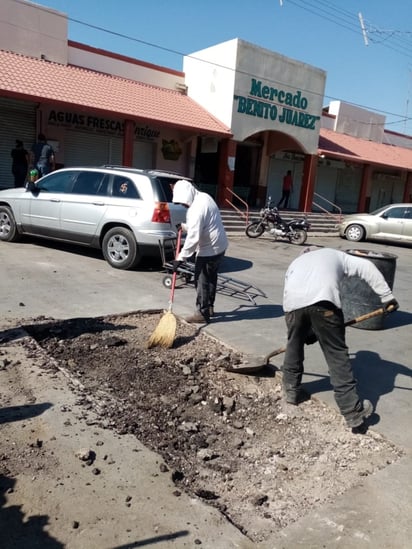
(354, 149)
(33, 79)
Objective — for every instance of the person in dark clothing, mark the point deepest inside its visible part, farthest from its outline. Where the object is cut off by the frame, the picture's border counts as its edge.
(42, 156)
(20, 163)
(286, 189)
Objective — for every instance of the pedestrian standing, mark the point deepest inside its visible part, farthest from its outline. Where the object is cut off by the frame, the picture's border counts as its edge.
(312, 305)
(206, 239)
(287, 188)
(42, 156)
(20, 163)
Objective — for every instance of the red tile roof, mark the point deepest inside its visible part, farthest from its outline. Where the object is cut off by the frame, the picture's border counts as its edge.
(35, 79)
(353, 149)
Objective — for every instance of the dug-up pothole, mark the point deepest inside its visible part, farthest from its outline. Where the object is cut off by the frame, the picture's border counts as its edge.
(226, 438)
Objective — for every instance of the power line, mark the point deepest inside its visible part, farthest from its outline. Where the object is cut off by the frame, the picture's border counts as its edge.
(349, 21)
(272, 81)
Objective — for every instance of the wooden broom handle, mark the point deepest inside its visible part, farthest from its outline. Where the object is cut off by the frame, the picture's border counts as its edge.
(174, 275)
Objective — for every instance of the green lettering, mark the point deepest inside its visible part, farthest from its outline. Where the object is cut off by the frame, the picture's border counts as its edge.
(273, 93)
(241, 106)
(265, 92)
(289, 99)
(249, 106)
(256, 88)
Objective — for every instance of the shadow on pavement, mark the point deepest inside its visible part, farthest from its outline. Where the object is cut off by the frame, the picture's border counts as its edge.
(375, 378)
(156, 539)
(397, 319)
(18, 530)
(234, 264)
(17, 413)
(249, 312)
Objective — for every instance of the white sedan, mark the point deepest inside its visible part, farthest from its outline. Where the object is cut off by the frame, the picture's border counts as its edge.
(392, 223)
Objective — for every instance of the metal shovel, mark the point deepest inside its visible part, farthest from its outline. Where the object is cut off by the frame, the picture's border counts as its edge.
(250, 366)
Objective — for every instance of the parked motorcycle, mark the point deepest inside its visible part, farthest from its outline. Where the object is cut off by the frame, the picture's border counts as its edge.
(270, 221)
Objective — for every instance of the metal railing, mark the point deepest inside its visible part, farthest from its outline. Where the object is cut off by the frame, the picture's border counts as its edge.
(337, 217)
(243, 214)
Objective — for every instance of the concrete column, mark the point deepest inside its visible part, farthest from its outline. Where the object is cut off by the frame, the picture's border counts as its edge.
(225, 174)
(407, 195)
(128, 140)
(308, 183)
(363, 201)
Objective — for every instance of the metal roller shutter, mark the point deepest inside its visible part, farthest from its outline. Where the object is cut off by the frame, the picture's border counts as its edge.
(89, 149)
(144, 155)
(17, 121)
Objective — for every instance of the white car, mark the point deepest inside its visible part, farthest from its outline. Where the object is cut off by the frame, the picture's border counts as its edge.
(125, 212)
(392, 223)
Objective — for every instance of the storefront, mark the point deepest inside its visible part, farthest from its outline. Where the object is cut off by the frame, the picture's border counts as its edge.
(237, 119)
(94, 107)
(273, 106)
(18, 121)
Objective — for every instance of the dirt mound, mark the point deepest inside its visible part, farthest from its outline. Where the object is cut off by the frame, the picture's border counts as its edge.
(226, 438)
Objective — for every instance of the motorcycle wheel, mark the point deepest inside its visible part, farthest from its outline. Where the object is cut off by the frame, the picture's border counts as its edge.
(298, 237)
(255, 229)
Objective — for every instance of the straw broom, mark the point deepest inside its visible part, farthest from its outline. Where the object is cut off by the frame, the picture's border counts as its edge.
(165, 332)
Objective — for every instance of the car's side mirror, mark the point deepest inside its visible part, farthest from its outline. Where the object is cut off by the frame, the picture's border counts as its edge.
(32, 187)
(384, 216)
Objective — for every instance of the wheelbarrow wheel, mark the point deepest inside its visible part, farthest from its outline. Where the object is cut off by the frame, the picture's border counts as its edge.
(167, 281)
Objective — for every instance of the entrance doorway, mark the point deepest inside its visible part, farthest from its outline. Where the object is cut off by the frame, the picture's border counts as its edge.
(246, 171)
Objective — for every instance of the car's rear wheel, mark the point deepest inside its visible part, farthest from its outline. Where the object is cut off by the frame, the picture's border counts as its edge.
(355, 233)
(120, 248)
(8, 227)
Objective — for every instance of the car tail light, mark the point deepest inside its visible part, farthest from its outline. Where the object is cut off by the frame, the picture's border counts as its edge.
(161, 213)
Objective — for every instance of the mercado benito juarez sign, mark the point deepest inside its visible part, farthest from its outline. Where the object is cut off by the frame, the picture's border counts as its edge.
(266, 107)
(274, 104)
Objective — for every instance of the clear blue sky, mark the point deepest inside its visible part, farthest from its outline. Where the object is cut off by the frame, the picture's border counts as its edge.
(323, 33)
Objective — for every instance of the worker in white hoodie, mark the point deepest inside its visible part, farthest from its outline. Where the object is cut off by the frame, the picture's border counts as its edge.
(206, 238)
(313, 312)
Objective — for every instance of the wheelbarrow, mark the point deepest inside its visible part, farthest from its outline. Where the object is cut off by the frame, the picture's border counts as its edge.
(252, 365)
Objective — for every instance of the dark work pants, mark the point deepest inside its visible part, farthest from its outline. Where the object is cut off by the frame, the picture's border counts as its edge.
(285, 199)
(328, 324)
(206, 270)
(20, 175)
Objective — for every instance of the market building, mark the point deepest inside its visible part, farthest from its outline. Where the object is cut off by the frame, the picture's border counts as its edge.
(340, 156)
(235, 119)
(95, 107)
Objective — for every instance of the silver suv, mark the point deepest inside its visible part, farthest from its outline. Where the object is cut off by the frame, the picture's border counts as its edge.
(125, 212)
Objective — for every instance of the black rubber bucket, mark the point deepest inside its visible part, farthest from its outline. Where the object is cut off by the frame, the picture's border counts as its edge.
(357, 296)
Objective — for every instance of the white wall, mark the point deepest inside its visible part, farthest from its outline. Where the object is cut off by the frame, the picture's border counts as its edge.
(357, 122)
(133, 71)
(210, 77)
(397, 139)
(220, 79)
(285, 78)
(33, 30)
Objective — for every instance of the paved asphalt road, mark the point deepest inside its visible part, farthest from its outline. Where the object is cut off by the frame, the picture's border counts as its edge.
(40, 278)
(50, 279)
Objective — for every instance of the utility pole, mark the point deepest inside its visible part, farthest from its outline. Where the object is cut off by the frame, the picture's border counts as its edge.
(363, 29)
